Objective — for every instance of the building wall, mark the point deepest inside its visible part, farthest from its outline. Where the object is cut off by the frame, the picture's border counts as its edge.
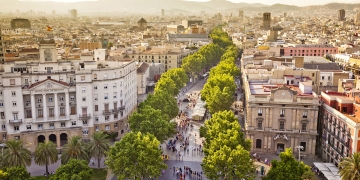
(90, 45)
(309, 51)
(142, 80)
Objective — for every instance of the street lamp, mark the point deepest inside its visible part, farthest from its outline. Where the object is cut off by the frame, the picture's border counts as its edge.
(300, 148)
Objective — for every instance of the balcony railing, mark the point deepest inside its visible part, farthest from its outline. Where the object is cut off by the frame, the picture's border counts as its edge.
(122, 108)
(107, 112)
(303, 131)
(15, 122)
(84, 116)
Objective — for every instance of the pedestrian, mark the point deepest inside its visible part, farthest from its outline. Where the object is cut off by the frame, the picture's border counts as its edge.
(92, 161)
(174, 169)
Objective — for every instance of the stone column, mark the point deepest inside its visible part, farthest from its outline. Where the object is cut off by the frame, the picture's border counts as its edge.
(58, 140)
(45, 115)
(271, 109)
(309, 146)
(56, 109)
(33, 107)
(267, 117)
(293, 121)
(67, 103)
(265, 143)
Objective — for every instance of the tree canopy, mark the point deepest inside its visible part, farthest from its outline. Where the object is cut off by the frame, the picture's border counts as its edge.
(193, 64)
(16, 154)
(162, 101)
(136, 155)
(150, 120)
(74, 149)
(287, 167)
(74, 169)
(350, 167)
(46, 154)
(14, 173)
(98, 146)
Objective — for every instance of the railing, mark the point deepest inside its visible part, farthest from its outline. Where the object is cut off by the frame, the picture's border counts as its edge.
(17, 121)
(49, 72)
(84, 116)
(122, 108)
(107, 112)
(303, 131)
(259, 129)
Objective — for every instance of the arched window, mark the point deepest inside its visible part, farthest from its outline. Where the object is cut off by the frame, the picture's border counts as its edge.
(258, 143)
(95, 76)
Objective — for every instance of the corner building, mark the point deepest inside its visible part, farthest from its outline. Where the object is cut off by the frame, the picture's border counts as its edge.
(50, 99)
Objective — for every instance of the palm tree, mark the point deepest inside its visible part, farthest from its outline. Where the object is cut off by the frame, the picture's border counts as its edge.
(74, 149)
(99, 145)
(16, 154)
(350, 167)
(46, 154)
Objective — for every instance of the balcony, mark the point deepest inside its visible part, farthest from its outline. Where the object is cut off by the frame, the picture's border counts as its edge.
(122, 108)
(15, 122)
(107, 112)
(84, 116)
(303, 131)
(282, 115)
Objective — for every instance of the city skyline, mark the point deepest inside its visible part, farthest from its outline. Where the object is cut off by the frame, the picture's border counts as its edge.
(272, 2)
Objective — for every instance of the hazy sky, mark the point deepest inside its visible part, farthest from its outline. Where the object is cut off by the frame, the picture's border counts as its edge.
(269, 2)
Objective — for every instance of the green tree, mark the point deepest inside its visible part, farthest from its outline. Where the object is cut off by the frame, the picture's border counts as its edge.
(350, 167)
(219, 100)
(286, 168)
(162, 101)
(178, 76)
(74, 149)
(225, 125)
(74, 169)
(46, 154)
(98, 146)
(225, 67)
(136, 156)
(228, 163)
(166, 84)
(150, 120)
(3, 175)
(15, 154)
(308, 175)
(220, 80)
(193, 64)
(15, 173)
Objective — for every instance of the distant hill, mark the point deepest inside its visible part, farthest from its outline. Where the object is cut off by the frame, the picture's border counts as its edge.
(150, 6)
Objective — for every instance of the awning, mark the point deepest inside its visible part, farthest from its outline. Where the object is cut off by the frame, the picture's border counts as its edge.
(330, 171)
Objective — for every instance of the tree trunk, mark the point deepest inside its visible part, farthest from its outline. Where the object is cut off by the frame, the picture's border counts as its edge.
(47, 170)
(99, 162)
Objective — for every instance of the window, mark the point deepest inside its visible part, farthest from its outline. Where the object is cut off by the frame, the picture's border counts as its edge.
(97, 119)
(303, 127)
(107, 127)
(258, 144)
(14, 103)
(95, 97)
(105, 76)
(85, 132)
(96, 128)
(40, 126)
(1, 93)
(259, 125)
(12, 81)
(282, 125)
(114, 95)
(95, 87)
(105, 86)
(313, 74)
(51, 112)
(95, 76)
(83, 89)
(260, 112)
(62, 98)
(329, 77)
(16, 128)
(84, 99)
(82, 78)
(2, 114)
(62, 124)
(50, 99)
(107, 118)
(96, 108)
(3, 126)
(114, 85)
(305, 114)
(303, 144)
(51, 126)
(40, 113)
(1, 104)
(62, 111)
(13, 93)
(73, 123)
(282, 112)
(322, 77)
(84, 122)
(106, 96)
(72, 98)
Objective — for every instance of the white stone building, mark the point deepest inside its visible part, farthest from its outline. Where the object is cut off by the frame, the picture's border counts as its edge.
(51, 99)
